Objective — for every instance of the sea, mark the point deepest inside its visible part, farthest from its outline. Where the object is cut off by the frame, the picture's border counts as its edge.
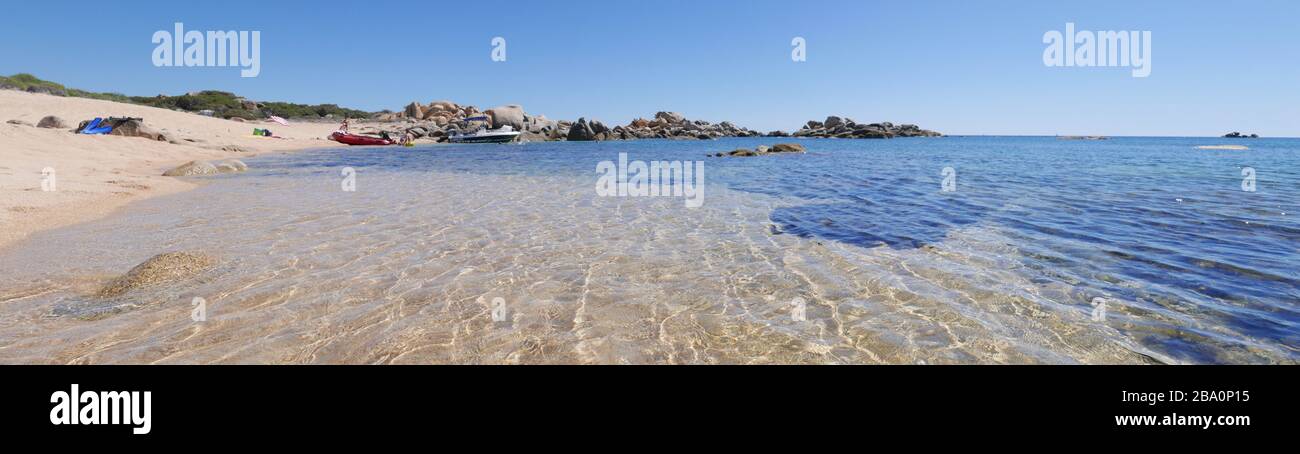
(950, 250)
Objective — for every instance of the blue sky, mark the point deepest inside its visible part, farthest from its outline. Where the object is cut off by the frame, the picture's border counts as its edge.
(960, 67)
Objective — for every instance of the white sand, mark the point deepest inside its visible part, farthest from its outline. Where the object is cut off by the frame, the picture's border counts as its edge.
(95, 175)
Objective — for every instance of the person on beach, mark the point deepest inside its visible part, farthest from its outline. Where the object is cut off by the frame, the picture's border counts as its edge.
(343, 128)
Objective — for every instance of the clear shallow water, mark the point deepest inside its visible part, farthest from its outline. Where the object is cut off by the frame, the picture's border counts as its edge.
(893, 270)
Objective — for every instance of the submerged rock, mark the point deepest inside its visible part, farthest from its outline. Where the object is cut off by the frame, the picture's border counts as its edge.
(168, 268)
(192, 168)
(231, 166)
(764, 150)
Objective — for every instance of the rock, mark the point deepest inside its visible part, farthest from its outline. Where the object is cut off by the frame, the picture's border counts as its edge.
(1238, 135)
(597, 127)
(509, 115)
(742, 152)
(52, 122)
(763, 149)
(845, 128)
(671, 118)
(232, 166)
(137, 128)
(414, 110)
(540, 125)
(581, 131)
(192, 168)
(386, 117)
(234, 148)
(787, 148)
(529, 136)
(169, 268)
(778, 134)
(442, 107)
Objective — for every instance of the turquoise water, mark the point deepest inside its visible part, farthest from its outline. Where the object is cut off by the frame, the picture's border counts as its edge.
(1005, 267)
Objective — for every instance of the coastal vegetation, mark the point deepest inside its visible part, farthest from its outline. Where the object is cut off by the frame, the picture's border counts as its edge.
(209, 102)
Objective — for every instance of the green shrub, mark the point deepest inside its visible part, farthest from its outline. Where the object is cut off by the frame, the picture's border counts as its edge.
(222, 104)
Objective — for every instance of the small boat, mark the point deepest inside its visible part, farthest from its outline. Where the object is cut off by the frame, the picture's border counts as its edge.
(499, 135)
(353, 139)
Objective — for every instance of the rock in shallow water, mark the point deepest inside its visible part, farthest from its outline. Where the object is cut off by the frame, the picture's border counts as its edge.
(787, 148)
(168, 268)
(763, 150)
(197, 168)
(192, 168)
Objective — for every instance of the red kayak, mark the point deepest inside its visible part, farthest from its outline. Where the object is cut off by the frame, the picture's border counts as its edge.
(353, 139)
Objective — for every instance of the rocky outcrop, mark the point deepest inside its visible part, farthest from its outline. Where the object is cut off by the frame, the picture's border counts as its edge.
(1238, 135)
(846, 128)
(671, 125)
(52, 122)
(439, 119)
(169, 268)
(581, 132)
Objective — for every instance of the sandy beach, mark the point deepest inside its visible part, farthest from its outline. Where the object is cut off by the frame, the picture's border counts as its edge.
(96, 175)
